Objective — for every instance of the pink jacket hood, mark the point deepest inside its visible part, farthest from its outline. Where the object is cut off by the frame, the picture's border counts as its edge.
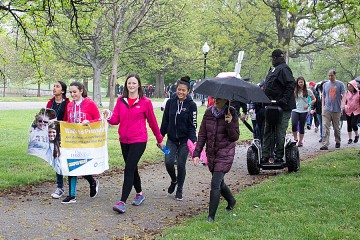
(352, 100)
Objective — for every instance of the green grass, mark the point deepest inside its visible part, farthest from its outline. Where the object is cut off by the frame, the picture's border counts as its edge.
(17, 168)
(319, 202)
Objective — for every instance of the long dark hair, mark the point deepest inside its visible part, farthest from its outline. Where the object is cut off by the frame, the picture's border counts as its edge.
(304, 90)
(140, 89)
(56, 141)
(63, 87)
(80, 86)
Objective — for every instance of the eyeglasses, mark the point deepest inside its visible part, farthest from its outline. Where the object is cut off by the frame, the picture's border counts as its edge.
(42, 121)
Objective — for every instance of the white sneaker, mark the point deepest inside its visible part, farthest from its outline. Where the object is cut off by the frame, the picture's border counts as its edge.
(58, 193)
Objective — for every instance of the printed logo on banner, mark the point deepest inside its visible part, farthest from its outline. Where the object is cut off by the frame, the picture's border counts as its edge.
(76, 163)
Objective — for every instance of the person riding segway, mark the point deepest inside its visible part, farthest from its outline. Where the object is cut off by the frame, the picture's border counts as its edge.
(269, 153)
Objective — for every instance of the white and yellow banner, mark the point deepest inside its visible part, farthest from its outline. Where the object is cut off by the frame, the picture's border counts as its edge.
(83, 148)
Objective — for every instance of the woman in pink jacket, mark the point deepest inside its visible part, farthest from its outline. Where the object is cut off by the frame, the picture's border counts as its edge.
(131, 111)
(352, 110)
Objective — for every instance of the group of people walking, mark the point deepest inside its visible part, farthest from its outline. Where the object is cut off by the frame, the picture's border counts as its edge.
(179, 123)
(219, 128)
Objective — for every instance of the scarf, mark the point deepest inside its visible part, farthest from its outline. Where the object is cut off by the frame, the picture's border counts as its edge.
(218, 113)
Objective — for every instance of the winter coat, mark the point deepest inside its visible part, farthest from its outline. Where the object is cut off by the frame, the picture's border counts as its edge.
(279, 85)
(179, 120)
(87, 106)
(132, 120)
(220, 138)
(61, 113)
(352, 100)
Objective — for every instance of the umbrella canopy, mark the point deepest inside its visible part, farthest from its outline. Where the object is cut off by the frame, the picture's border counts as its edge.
(232, 88)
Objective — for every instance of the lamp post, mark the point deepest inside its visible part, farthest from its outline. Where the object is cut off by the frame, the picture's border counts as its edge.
(205, 50)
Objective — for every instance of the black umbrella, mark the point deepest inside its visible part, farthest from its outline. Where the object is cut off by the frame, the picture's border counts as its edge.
(233, 89)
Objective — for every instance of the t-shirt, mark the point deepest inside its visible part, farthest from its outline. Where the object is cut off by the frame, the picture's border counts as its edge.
(332, 92)
(131, 101)
(302, 101)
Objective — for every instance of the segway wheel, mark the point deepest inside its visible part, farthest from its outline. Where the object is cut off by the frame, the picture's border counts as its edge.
(292, 158)
(252, 161)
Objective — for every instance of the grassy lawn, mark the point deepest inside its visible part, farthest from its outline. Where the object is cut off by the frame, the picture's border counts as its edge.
(319, 202)
(17, 168)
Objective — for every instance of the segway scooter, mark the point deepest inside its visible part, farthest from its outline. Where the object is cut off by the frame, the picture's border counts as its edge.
(273, 114)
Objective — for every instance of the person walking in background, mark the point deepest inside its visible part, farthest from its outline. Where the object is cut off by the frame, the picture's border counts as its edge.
(131, 111)
(298, 115)
(352, 110)
(333, 102)
(179, 124)
(255, 124)
(279, 85)
(311, 115)
(316, 108)
(219, 130)
(84, 111)
(59, 103)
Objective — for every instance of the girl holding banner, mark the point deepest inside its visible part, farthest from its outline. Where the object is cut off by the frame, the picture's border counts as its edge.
(131, 111)
(81, 110)
(59, 104)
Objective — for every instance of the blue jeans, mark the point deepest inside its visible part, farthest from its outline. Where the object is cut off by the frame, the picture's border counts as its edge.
(180, 152)
(319, 118)
(59, 181)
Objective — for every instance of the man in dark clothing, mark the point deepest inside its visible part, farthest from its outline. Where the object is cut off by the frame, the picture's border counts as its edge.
(279, 85)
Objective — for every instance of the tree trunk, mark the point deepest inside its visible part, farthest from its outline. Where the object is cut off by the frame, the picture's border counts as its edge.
(159, 86)
(97, 86)
(113, 77)
(38, 90)
(108, 87)
(86, 84)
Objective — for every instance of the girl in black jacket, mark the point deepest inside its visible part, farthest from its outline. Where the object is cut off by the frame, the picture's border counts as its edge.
(179, 123)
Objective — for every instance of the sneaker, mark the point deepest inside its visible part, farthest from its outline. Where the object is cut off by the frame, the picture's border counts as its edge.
(300, 144)
(139, 198)
(356, 139)
(337, 145)
(324, 148)
(316, 129)
(320, 140)
(308, 127)
(69, 199)
(178, 195)
(58, 193)
(120, 207)
(230, 206)
(171, 188)
(210, 219)
(350, 141)
(94, 189)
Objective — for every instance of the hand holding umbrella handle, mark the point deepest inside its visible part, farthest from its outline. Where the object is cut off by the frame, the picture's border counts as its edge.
(228, 118)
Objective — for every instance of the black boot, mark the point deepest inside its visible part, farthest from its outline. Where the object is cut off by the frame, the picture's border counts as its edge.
(214, 203)
(226, 193)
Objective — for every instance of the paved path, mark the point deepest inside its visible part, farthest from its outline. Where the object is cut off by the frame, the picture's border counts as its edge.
(30, 213)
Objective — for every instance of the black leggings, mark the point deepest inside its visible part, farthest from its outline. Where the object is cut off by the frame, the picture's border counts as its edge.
(352, 122)
(132, 154)
(298, 119)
